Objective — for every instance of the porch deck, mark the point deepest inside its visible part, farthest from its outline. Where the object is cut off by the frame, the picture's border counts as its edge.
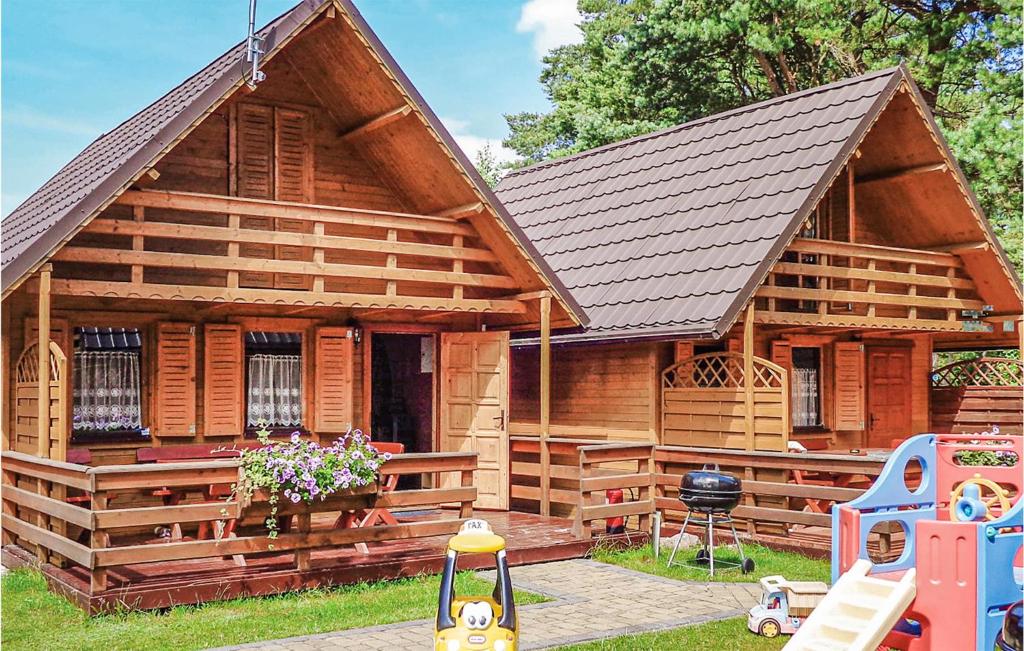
(530, 539)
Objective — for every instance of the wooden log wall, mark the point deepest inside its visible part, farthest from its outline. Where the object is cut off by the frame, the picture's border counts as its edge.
(598, 392)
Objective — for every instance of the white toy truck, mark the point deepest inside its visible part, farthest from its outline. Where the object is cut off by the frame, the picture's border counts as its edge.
(784, 605)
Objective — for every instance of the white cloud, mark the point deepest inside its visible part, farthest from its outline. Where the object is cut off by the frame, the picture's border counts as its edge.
(552, 22)
(471, 144)
(30, 119)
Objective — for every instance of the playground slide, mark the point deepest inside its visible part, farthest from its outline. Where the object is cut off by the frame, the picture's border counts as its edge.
(857, 613)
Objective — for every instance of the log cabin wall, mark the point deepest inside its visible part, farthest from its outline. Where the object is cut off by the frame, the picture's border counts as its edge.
(155, 405)
(601, 391)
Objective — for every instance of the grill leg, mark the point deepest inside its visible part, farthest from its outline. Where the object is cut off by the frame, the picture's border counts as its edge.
(736, 539)
(710, 542)
(675, 547)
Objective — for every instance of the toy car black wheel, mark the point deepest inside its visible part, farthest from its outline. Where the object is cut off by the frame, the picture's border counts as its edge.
(769, 628)
(748, 566)
(702, 557)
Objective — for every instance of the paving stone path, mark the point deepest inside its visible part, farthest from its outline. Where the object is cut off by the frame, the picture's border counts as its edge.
(589, 601)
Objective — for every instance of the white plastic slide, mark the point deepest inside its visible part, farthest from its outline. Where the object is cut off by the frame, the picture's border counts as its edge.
(857, 613)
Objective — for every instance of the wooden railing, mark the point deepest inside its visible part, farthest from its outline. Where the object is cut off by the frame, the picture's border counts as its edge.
(596, 478)
(791, 490)
(29, 517)
(839, 283)
(256, 250)
(783, 493)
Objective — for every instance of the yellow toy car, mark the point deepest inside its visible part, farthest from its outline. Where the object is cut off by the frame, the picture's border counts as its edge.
(476, 623)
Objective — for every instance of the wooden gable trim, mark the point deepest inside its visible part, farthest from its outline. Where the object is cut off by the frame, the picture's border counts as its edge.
(963, 186)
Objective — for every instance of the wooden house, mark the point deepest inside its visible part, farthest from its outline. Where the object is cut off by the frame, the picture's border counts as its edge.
(780, 272)
(308, 253)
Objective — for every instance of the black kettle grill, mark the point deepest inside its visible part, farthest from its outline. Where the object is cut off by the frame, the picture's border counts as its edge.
(707, 491)
(710, 496)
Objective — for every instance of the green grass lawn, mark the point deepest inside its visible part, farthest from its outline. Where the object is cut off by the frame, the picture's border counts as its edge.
(35, 619)
(767, 562)
(726, 635)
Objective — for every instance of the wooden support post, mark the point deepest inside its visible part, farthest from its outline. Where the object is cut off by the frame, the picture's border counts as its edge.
(138, 244)
(912, 291)
(100, 539)
(823, 283)
(457, 242)
(466, 510)
(645, 466)
(9, 509)
(748, 398)
(871, 288)
(318, 257)
(748, 376)
(303, 524)
(6, 366)
(545, 404)
(951, 293)
(392, 262)
(43, 412)
(852, 201)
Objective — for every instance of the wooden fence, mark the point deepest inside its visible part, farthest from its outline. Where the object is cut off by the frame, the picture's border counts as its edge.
(30, 518)
(792, 510)
(973, 395)
(708, 400)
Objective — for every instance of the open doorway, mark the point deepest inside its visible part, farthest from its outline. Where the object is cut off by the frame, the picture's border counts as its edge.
(402, 390)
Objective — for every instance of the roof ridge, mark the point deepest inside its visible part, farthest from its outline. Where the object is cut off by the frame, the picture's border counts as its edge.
(707, 119)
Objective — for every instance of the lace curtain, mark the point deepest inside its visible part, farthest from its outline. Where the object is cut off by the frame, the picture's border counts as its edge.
(275, 390)
(805, 397)
(107, 391)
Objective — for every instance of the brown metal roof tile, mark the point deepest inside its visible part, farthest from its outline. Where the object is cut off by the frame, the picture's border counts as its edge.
(665, 234)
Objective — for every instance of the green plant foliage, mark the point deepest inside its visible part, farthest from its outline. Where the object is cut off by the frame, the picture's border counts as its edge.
(301, 470)
(649, 64)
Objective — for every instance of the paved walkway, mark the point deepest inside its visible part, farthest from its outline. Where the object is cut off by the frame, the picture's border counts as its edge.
(590, 601)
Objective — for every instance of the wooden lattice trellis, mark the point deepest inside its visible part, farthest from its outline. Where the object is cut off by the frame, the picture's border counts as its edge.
(707, 401)
(26, 394)
(721, 370)
(983, 372)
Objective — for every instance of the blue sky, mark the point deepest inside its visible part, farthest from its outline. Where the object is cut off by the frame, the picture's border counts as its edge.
(72, 69)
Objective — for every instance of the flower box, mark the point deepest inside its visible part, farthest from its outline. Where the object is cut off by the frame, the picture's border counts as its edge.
(347, 499)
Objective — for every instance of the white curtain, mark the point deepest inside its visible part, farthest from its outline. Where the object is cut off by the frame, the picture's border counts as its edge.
(106, 391)
(805, 397)
(275, 390)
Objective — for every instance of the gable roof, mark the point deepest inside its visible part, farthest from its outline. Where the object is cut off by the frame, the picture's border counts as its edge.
(109, 165)
(671, 232)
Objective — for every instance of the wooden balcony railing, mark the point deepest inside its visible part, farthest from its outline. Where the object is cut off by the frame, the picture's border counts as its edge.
(56, 528)
(822, 282)
(189, 246)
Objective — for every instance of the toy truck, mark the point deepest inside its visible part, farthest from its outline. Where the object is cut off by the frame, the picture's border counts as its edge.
(784, 605)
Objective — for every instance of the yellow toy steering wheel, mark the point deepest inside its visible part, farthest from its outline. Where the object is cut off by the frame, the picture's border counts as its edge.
(974, 487)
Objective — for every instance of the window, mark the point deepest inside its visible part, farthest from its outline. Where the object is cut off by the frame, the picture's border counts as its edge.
(107, 383)
(807, 384)
(273, 379)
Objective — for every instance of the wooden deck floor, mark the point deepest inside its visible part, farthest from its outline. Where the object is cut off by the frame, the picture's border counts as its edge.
(529, 538)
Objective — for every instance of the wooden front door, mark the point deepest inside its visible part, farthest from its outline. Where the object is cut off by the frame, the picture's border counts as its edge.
(474, 408)
(889, 406)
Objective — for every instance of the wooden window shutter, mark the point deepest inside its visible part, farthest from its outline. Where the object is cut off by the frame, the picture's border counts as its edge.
(254, 133)
(849, 393)
(782, 354)
(176, 380)
(293, 178)
(255, 157)
(223, 380)
(332, 380)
